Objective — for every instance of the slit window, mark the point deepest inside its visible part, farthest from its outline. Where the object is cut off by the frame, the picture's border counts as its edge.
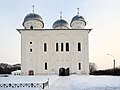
(67, 46)
(79, 46)
(56, 46)
(45, 47)
(30, 50)
(79, 66)
(62, 47)
(45, 65)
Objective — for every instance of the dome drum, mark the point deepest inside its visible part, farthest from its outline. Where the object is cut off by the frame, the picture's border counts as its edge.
(33, 23)
(78, 25)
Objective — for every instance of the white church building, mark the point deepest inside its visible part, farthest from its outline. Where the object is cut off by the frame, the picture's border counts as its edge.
(62, 50)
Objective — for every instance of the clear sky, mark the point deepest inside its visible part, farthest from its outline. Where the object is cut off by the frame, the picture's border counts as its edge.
(103, 16)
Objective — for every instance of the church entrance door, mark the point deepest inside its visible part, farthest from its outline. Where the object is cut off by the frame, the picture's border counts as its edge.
(62, 72)
(67, 72)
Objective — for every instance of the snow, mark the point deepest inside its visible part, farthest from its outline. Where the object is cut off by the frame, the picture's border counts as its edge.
(23, 79)
(62, 83)
(96, 82)
(87, 83)
(72, 82)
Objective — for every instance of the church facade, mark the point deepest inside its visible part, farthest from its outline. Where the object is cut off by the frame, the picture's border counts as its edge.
(62, 50)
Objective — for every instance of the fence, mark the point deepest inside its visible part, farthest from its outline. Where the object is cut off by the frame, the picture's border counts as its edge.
(24, 85)
(4, 75)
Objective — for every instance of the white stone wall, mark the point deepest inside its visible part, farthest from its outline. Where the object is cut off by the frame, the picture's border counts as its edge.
(36, 59)
(62, 27)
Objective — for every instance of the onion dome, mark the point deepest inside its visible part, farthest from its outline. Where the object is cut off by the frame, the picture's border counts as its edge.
(61, 24)
(78, 18)
(78, 22)
(33, 16)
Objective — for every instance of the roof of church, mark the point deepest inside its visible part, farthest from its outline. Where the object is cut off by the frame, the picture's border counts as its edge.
(79, 18)
(59, 23)
(33, 16)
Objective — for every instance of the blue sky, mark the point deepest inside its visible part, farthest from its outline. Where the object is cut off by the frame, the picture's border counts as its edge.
(101, 15)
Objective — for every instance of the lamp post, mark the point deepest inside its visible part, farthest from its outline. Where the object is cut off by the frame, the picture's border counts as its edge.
(113, 63)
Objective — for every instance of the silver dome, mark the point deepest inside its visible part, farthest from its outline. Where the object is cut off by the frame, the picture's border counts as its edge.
(78, 18)
(60, 23)
(33, 16)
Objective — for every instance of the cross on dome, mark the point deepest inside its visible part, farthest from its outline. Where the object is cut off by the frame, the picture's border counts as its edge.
(61, 15)
(33, 8)
(77, 11)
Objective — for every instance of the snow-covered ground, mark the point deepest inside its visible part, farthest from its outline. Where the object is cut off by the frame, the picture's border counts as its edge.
(73, 82)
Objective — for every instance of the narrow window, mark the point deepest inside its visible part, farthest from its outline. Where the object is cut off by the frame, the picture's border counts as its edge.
(30, 50)
(56, 46)
(45, 47)
(67, 46)
(79, 46)
(79, 66)
(30, 42)
(31, 27)
(62, 47)
(45, 65)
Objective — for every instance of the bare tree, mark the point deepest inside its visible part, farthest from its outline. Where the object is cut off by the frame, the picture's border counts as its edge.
(92, 67)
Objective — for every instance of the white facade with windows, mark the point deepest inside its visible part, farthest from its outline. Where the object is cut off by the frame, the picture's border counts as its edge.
(60, 50)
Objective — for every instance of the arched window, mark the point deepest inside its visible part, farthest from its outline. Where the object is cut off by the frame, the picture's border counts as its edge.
(79, 66)
(45, 65)
(79, 46)
(45, 47)
(57, 47)
(31, 27)
(67, 46)
(30, 42)
(62, 48)
(30, 50)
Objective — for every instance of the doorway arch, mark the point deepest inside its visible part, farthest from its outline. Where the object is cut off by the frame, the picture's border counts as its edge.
(62, 72)
(67, 72)
(31, 27)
